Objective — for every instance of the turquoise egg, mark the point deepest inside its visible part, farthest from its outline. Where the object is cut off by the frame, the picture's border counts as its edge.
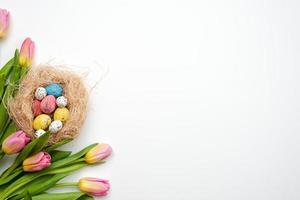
(54, 89)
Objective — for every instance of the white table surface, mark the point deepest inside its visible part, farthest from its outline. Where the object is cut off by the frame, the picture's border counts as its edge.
(199, 99)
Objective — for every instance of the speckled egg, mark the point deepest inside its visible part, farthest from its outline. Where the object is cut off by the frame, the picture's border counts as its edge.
(36, 107)
(39, 133)
(61, 114)
(61, 101)
(48, 104)
(54, 89)
(40, 93)
(55, 126)
(41, 122)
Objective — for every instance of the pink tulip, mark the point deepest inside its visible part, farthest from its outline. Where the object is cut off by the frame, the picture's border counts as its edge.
(26, 53)
(4, 22)
(94, 186)
(37, 162)
(98, 153)
(15, 142)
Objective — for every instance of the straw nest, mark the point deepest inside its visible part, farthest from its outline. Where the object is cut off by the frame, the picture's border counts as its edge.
(20, 107)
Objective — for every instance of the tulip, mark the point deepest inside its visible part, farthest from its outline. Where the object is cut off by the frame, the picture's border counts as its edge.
(15, 142)
(26, 53)
(94, 186)
(4, 22)
(37, 162)
(98, 153)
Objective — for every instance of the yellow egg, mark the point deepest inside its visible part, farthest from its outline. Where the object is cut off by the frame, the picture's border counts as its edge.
(41, 122)
(61, 114)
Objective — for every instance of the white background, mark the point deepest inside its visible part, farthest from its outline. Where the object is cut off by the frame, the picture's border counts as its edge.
(199, 99)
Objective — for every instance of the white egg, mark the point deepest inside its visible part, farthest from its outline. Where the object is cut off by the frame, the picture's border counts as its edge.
(39, 133)
(40, 93)
(55, 126)
(61, 101)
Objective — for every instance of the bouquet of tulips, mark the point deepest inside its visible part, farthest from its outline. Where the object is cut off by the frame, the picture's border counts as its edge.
(39, 166)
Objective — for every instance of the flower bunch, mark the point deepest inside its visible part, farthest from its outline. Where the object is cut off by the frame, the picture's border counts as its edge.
(39, 166)
(10, 75)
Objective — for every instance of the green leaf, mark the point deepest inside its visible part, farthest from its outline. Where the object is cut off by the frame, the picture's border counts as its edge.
(72, 158)
(27, 196)
(9, 130)
(58, 155)
(67, 169)
(27, 178)
(39, 185)
(34, 146)
(6, 69)
(56, 145)
(11, 176)
(42, 141)
(86, 197)
(26, 152)
(2, 85)
(59, 196)
(4, 75)
(9, 91)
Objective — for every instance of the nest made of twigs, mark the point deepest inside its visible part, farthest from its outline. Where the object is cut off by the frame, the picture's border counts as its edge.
(20, 107)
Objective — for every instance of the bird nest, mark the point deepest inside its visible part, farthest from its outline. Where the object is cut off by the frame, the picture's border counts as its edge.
(20, 107)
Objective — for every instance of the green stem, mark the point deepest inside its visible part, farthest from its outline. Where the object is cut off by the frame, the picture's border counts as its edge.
(78, 161)
(66, 184)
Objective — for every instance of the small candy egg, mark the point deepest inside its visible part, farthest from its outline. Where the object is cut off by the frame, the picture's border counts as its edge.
(40, 93)
(55, 126)
(61, 114)
(39, 133)
(36, 107)
(48, 104)
(41, 122)
(54, 89)
(61, 101)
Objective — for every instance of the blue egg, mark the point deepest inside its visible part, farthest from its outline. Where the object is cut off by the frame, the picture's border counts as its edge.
(54, 89)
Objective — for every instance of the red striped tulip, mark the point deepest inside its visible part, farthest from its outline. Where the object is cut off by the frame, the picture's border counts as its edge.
(98, 153)
(37, 162)
(26, 53)
(94, 186)
(15, 142)
(4, 22)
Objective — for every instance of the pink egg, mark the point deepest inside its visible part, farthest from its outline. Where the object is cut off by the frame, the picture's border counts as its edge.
(36, 107)
(48, 104)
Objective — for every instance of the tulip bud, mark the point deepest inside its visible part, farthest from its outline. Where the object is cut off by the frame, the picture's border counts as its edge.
(15, 142)
(26, 53)
(98, 153)
(37, 162)
(4, 22)
(94, 186)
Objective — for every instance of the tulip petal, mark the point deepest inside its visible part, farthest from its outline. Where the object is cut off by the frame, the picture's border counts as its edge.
(98, 153)
(15, 142)
(26, 53)
(94, 186)
(4, 22)
(37, 162)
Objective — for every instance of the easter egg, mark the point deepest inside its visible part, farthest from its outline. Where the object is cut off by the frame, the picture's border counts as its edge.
(61, 114)
(48, 104)
(41, 122)
(36, 107)
(61, 101)
(39, 133)
(54, 89)
(55, 126)
(40, 93)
